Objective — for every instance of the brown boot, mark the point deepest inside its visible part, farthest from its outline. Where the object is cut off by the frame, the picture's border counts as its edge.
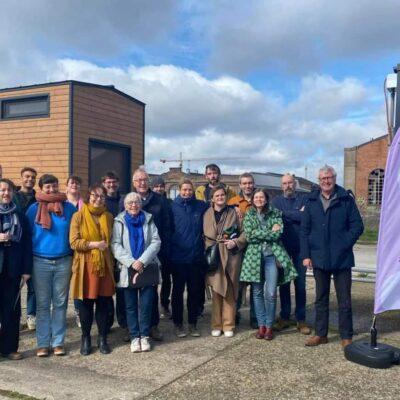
(303, 328)
(345, 343)
(260, 334)
(281, 324)
(316, 340)
(268, 334)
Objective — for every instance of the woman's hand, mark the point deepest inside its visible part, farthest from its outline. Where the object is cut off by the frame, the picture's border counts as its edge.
(230, 244)
(4, 237)
(26, 277)
(138, 266)
(307, 263)
(102, 245)
(276, 227)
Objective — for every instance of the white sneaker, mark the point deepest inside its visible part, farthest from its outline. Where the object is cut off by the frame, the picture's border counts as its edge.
(135, 346)
(215, 333)
(145, 344)
(31, 322)
(228, 333)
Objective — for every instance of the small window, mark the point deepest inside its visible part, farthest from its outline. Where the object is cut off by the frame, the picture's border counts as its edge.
(375, 187)
(25, 107)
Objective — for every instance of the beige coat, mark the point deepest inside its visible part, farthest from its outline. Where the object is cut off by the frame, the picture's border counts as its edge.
(80, 247)
(231, 261)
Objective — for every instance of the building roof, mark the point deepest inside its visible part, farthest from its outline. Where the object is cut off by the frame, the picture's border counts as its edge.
(365, 143)
(77, 83)
(271, 180)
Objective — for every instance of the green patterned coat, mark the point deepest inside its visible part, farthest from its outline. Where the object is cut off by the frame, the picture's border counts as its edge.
(256, 236)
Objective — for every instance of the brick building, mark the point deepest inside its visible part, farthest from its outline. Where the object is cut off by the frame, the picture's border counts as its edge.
(364, 169)
(71, 127)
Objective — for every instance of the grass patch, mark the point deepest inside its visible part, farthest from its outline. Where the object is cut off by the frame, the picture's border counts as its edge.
(369, 235)
(15, 395)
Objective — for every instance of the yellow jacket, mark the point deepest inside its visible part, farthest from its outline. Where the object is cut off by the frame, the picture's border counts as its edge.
(200, 193)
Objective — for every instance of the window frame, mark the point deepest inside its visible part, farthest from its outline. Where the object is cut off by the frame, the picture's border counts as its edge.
(21, 99)
(376, 180)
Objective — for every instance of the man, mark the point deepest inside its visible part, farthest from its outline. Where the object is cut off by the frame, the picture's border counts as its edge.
(330, 226)
(23, 199)
(156, 205)
(213, 175)
(242, 203)
(110, 182)
(158, 186)
(292, 204)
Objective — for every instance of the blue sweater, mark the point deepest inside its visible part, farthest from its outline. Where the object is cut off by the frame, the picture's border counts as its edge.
(51, 243)
(291, 216)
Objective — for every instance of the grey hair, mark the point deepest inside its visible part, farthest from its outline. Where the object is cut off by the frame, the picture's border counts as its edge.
(328, 168)
(140, 169)
(133, 196)
(246, 175)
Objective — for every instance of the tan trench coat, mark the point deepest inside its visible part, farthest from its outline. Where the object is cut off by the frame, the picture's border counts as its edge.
(231, 263)
(80, 247)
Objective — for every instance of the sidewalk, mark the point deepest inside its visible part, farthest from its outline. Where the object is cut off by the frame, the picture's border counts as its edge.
(210, 368)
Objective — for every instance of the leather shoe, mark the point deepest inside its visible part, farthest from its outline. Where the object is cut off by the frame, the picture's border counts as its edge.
(59, 351)
(260, 334)
(86, 345)
(14, 356)
(269, 335)
(103, 345)
(303, 328)
(42, 352)
(316, 340)
(345, 343)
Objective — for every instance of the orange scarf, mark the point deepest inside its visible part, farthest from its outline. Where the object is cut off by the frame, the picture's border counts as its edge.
(48, 203)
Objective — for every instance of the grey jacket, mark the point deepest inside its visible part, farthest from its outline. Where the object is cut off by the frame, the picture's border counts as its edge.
(121, 248)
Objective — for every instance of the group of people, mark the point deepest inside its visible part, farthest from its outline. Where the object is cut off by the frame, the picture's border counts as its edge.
(105, 244)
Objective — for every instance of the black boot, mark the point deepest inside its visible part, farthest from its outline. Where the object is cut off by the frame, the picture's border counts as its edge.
(86, 345)
(103, 345)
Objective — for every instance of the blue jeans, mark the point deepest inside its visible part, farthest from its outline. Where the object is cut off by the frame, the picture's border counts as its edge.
(51, 282)
(264, 293)
(30, 298)
(139, 304)
(300, 293)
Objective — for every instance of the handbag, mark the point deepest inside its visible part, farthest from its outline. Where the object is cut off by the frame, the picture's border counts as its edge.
(211, 253)
(149, 277)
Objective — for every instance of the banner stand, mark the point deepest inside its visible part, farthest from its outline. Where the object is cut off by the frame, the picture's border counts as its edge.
(372, 354)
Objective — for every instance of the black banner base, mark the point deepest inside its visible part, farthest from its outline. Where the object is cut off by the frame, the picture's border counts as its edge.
(381, 356)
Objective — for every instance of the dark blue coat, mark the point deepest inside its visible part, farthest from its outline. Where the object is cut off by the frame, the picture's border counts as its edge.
(328, 237)
(291, 215)
(187, 244)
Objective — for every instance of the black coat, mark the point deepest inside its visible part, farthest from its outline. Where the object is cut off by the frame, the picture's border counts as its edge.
(18, 257)
(328, 237)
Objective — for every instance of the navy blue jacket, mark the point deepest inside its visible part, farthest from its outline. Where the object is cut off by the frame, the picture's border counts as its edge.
(187, 245)
(328, 237)
(291, 215)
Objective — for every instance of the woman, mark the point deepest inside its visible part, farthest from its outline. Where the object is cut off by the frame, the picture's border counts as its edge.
(92, 279)
(15, 269)
(263, 227)
(221, 224)
(73, 192)
(49, 221)
(135, 244)
(187, 264)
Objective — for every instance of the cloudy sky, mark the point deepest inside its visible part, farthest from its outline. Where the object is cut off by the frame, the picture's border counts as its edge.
(286, 83)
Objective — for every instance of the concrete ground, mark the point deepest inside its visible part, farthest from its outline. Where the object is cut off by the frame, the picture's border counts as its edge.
(211, 368)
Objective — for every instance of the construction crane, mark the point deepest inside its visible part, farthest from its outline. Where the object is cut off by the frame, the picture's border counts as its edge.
(181, 159)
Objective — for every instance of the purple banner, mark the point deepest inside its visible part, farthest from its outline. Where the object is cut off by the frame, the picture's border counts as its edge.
(387, 288)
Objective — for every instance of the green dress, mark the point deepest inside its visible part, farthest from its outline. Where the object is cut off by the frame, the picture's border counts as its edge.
(256, 236)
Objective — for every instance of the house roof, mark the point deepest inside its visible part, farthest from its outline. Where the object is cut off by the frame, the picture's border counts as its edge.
(77, 83)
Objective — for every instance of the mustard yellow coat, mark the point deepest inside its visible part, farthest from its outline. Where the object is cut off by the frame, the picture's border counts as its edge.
(80, 247)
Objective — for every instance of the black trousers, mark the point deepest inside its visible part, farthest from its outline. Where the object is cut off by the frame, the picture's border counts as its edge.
(10, 313)
(101, 314)
(190, 276)
(342, 281)
(166, 285)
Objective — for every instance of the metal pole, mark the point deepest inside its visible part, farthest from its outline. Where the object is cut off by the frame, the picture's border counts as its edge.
(396, 69)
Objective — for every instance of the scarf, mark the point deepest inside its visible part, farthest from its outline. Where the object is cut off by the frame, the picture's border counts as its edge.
(48, 203)
(95, 233)
(9, 223)
(136, 234)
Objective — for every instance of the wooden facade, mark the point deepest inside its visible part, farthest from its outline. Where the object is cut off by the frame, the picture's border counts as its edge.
(81, 117)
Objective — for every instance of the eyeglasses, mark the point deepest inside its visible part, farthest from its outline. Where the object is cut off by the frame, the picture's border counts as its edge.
(327, 178)
(98, 196)
(141, 180)
(132, 203)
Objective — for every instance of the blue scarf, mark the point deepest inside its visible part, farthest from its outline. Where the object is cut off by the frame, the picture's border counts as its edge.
(136, 234)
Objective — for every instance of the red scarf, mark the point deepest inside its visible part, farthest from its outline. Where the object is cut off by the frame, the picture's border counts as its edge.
(48, 203)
